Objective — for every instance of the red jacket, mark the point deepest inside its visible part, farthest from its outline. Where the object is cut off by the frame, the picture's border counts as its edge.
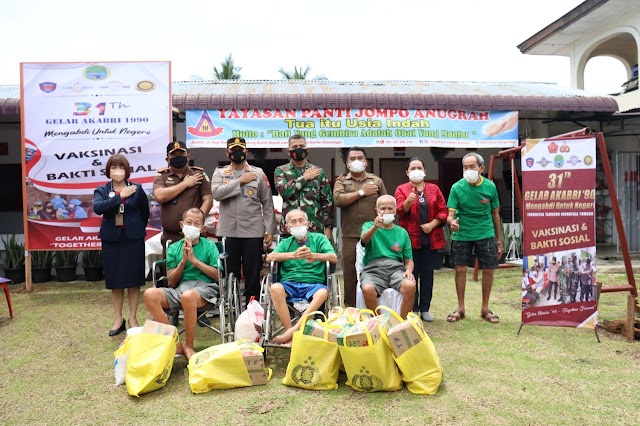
(411, 221)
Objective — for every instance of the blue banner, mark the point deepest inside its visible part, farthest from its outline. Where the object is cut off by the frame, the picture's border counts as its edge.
(336, 128)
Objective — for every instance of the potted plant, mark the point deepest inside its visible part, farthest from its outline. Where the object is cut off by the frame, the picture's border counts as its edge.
(92, 265)
(41, 263)
(66, 263)
(13, 259)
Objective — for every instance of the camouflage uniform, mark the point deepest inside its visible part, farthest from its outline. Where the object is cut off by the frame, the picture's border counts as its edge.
(313, 197)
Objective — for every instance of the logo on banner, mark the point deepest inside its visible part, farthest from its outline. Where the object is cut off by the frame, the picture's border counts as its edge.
(544, 162)
(574, 160)
(145, 86)
(558, 161)
(205, 127)
(96, 72)
(48, 87)
(588, 160)
(553, 148)
(565, 148)
(530, 162)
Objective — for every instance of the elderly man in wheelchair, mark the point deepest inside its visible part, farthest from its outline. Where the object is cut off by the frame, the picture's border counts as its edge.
(191, 278)
(302, 259)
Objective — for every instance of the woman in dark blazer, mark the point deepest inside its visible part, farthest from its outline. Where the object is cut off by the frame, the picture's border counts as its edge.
(124, 207)
(422, 212)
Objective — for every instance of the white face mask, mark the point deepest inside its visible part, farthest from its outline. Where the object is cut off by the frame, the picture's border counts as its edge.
(416, 175)
(387, 218)
(117, 175)
(470, 176)
(357, 166)
(191, 232)
(299, 232)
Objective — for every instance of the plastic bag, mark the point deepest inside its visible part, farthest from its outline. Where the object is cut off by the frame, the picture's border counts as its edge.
(120, 362)
(226, 366)
(149, 362)
(314, 362)
(249, 323)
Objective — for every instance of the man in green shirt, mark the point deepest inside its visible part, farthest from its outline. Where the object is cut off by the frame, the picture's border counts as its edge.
(192, 273)
(388, 259)
(474, 218)
(302, 270)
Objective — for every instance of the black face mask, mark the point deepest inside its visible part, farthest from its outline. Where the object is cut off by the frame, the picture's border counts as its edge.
(237, 156)
(178, 162)
(298, 153)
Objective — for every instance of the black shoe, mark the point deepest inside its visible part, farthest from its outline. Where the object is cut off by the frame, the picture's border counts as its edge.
(204, 320)
(117, 331)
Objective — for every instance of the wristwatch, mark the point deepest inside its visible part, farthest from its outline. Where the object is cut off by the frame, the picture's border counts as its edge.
(361, 193)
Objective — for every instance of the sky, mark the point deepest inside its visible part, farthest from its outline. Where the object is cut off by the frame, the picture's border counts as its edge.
(359, 40)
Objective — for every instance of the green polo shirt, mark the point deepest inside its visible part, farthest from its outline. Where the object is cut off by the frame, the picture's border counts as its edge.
(473, 205)
(205, 251)
(299, 270)
(391, 243)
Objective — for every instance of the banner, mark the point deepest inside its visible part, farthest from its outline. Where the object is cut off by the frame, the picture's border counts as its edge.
(559, 263)
(337, 128)
(74, 117)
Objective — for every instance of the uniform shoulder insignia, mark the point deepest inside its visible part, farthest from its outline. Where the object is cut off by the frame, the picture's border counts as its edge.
(196, 168)
(266, 179)
(162, 170)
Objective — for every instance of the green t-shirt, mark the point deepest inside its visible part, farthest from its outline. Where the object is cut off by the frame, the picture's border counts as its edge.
(473, 205)
(299, 270)
(391, 243)
(205, 251)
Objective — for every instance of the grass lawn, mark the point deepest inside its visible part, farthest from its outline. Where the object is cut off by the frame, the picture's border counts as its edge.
(57, 369)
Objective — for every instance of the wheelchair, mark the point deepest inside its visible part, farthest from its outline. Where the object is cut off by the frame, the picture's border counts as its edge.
(229, 300)
(271, 328)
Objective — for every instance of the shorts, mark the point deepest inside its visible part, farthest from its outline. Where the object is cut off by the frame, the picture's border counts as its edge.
(301, 291)
(383, 273)
(486, 252)
(208, 291)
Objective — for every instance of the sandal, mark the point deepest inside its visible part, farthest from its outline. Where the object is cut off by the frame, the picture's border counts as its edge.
(455, 316)
(490, 317)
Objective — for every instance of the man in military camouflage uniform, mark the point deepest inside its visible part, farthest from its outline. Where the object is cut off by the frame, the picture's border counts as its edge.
(247, 219)
(178, 188)
(306, 187)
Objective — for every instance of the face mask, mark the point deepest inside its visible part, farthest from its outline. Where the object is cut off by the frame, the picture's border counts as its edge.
(357, 166)
(191, 232)
(470, 176)
(178, 162)
(237, 157)
(298, 153)
(117, 174)
(299, 232)
(387, 218)
(416, 175)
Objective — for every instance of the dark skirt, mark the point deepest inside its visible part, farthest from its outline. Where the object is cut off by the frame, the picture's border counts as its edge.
(123, 263)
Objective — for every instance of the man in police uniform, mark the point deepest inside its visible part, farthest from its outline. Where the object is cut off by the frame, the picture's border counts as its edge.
(178, 188)
(247, 219)
(305, 187)
(356, 194)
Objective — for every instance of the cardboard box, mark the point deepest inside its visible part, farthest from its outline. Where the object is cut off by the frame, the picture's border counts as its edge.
(316, 329)
(403, 337)
(153, 327)
(356, 335)
(387, 321)
(254, 361)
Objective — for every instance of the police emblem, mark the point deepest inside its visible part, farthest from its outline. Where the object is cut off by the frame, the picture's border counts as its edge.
(250, 192)
(48, 87)
(558, 161)
(529, 162)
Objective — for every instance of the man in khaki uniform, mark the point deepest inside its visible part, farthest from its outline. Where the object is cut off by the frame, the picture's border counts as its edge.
(356, 194)
(247, 219)
(178, 188)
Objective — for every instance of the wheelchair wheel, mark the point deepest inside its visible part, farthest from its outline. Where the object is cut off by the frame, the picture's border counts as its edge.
(233, 308)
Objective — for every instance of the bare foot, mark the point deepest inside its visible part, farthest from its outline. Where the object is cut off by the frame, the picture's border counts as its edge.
(179, 349)
(188, 352)
(284, 338)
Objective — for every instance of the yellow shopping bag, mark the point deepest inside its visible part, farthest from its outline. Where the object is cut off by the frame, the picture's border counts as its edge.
(416, 356)
(149, 362)
(231, 365)
(315, 361)
(368, 360)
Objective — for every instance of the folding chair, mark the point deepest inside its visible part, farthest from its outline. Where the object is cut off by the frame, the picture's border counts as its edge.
(271, 328)
(228, 304)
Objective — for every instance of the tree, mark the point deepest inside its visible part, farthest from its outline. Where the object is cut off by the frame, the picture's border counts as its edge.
(228, 70)
(297, 74)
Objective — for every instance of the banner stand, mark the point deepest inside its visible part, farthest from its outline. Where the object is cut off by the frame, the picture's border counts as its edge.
(606, 165)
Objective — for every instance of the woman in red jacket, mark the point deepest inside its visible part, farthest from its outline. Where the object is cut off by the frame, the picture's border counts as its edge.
(423, 212)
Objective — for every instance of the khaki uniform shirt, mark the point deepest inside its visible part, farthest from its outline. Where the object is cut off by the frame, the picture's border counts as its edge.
(171, 211)
(364, 209)
(246, 211)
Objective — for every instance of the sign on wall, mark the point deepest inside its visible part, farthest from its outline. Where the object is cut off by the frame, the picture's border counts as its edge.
(559, 264)
(74, 117)
(335, 128)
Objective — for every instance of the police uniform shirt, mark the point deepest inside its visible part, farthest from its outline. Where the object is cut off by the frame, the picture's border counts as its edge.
(242, 206)
(171, 211)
